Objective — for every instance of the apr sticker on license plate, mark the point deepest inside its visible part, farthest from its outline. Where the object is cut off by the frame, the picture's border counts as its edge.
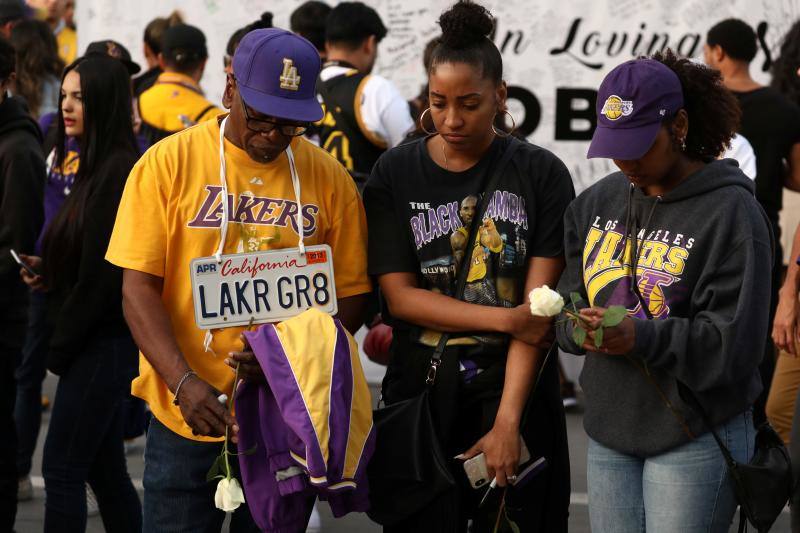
(266, 286)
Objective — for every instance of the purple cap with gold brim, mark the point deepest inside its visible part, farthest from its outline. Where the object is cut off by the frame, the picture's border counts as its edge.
(276, 72)
(632, 102)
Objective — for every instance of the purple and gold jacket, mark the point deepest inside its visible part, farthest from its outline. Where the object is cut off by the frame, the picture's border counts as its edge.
(311, 426)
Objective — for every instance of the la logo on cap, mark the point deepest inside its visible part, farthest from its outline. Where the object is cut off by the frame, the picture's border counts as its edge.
(113, 51)
(615, 107)
(289, 78)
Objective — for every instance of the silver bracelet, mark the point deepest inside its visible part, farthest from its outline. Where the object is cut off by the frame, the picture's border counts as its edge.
(180, 384)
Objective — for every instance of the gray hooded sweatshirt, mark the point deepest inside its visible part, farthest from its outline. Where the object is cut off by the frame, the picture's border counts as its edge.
(702, 257)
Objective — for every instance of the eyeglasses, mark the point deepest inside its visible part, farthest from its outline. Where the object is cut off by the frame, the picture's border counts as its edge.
(266, 126)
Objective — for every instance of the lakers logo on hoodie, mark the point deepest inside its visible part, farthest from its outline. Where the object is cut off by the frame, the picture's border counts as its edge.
(608, 257)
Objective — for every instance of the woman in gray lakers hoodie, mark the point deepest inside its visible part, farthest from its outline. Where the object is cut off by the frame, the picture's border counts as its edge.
(691, 265)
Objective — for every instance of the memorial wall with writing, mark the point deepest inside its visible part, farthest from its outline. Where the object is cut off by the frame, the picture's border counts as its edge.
(555, 52)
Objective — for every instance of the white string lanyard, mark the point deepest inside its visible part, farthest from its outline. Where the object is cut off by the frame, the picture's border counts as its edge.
(226, 208)
(50, 162)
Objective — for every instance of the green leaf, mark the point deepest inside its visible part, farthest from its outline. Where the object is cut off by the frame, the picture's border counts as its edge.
(579, 335)
(217, 469)
(614, 315)
(598, 337)
(513, 525)
(574, 298)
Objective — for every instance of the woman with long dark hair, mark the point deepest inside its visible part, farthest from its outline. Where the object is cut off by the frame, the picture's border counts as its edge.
(91, 348)
(421, 201)
(677, 238)
(38, 66)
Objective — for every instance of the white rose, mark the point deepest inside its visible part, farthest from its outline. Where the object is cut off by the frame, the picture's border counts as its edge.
(229, 495)
(545, 302)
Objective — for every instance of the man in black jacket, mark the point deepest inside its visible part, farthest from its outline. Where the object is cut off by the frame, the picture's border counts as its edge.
(22, 178)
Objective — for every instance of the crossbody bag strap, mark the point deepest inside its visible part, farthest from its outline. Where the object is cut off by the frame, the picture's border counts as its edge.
(528, 403)
(691, 400)
(463, 271)
(689, 397)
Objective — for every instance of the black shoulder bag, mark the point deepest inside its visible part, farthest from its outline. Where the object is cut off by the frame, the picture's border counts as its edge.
(408, 469)
(763, 485)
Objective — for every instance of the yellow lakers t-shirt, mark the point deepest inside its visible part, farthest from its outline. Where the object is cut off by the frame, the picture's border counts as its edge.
(67, 41)
(175, 102)
(171, 213)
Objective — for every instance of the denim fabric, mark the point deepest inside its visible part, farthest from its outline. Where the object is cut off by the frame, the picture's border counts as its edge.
(177, 497)
(12, 336)
(84, 440)
(30, 373)
(686, 490)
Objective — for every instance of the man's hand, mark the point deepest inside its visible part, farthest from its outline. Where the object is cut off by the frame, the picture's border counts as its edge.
(490, 237)
(534, 330)
(617, 340)
(249, 368)
(202, 410)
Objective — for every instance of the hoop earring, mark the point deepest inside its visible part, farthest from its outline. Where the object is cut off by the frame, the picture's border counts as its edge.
(506, 133)
(422, 125)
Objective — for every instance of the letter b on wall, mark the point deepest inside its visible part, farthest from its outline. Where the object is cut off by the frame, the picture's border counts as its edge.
(575, 115)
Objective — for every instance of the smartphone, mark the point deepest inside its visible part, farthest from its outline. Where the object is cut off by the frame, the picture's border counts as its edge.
(530, 471)
(478, 473)
(19, 261)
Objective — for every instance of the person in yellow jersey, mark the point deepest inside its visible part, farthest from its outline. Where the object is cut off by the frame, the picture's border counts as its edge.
(66, 37)
(242, 182)
(176, 101)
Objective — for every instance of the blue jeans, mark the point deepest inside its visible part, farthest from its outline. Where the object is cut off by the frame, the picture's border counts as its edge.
(84, 440)
(30, 373)
(177, 497)
(685, 490)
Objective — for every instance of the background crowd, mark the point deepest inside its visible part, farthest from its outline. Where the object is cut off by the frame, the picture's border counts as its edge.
(73, 125)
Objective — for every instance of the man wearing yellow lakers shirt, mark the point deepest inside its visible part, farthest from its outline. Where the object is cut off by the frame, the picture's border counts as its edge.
(66, 37)
(238, 168)
(176, 101)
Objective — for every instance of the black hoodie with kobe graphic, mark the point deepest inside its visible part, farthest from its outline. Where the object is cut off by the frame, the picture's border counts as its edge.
(700, 302)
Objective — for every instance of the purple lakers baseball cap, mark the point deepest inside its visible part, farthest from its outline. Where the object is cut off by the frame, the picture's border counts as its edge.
(276, 72)
(632, 102)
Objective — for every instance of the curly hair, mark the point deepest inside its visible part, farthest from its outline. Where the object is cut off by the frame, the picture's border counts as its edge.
(714, 112)
(466, 28)
(37, 58)
(784, 70)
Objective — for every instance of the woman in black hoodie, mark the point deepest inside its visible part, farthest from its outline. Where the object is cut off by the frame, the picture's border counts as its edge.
(678, 239)
(91, 348)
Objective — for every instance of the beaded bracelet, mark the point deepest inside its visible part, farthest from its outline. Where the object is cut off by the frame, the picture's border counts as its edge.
(180, 384)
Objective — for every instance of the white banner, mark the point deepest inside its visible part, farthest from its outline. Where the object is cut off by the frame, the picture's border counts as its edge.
(555, 52)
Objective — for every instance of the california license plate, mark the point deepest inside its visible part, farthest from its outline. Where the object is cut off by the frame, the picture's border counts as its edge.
(263, 287)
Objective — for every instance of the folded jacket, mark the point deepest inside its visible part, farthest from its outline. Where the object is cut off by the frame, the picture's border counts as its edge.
(314, 413)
